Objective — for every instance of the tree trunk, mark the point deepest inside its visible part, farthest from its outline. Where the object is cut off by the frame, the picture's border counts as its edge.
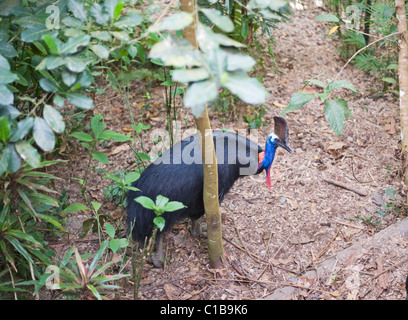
(403, 81)
(210, 187)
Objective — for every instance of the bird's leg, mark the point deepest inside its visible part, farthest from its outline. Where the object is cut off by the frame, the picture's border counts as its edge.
(195, 229)
(158, 254)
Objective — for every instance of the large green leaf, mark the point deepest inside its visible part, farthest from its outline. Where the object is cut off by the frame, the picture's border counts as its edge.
(110, 6)
(198, 94)
(298, 100)
(239, 61)
(23, 127)
(34, 33)
(175, 52)
(7, 6)
(327, 17)
(23, 236)
(221, 21)
(334, 113)
(8, 111)
(43, 198)
(14, 160)
(54, 119)
(341, 84)
(75, 64)
(4, 63)
(68, 77)
(28, 153)
(7, 49)
(73, 45)
(48, 85)
(52, 45)
(100, 51)
(249, 90)
(77, 9)
(190, 75)
(17, 245)
(6, 76)
(146, 202)
(101, 18)
(6, 96)
(82, 136)
(177, 21)
(101, 35)
(173, 206)
(159, 222)
(97, 257)
(74, 207)
(113, 136)
(118, 10)
(79, 100)
(84, 80)
(97, 125)
(4, 129)
(50, 63)
(131, 177)
(120, 35)
(43, 135)
(4, 161)
(209, 40)
(132, 20)
(101, 157)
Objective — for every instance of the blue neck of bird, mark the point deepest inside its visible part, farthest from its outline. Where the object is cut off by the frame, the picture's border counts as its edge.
(270, 149)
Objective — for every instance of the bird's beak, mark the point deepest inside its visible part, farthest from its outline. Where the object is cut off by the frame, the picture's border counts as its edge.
(284, 146)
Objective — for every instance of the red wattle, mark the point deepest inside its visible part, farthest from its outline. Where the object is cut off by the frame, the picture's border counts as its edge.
(261, 156)
(268, 178)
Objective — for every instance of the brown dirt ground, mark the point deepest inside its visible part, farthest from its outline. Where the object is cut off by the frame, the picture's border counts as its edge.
(274, 238)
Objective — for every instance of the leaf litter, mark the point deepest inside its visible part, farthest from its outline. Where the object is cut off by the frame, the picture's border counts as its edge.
(304, 238)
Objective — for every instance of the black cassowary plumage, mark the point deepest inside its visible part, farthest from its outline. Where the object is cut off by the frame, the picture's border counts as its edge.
(178, 175)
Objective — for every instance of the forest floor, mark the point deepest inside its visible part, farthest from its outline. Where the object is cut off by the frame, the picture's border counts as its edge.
(305, 238)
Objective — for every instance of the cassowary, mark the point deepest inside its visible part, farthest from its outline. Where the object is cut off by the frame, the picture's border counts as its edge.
(178, 175)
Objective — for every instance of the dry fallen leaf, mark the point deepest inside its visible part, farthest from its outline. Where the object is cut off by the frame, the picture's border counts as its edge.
(336, 145)
(313, 206)
(119, 149)
(309, 90)
(293, 204)
(310, 121)
(116, 110)
(280, 105)
(127, 128)
(333, 29)
(169, 290)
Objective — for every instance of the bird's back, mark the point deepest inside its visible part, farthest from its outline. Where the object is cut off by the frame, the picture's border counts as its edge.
(178, 175)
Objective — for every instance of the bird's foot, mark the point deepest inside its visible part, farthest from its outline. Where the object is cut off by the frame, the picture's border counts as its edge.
(158, 259)
(196, 229)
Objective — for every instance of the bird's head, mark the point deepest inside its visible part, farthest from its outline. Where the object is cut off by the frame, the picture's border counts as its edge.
(277, 138)
(275, 141)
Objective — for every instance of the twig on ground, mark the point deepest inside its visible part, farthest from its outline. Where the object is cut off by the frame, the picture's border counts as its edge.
(346, 186)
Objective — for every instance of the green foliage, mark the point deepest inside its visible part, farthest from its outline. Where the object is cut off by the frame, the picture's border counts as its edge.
(336, 110)
(255, 121)
(90, 142)
(215, 67)
(45, 58)
(115, 244)
(79, 280)
(122, 184)
(52, 52)
(380, 21)
(161, 205)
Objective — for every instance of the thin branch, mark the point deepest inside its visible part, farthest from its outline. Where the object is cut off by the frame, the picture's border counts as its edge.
(362, 49)
(345, 186)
